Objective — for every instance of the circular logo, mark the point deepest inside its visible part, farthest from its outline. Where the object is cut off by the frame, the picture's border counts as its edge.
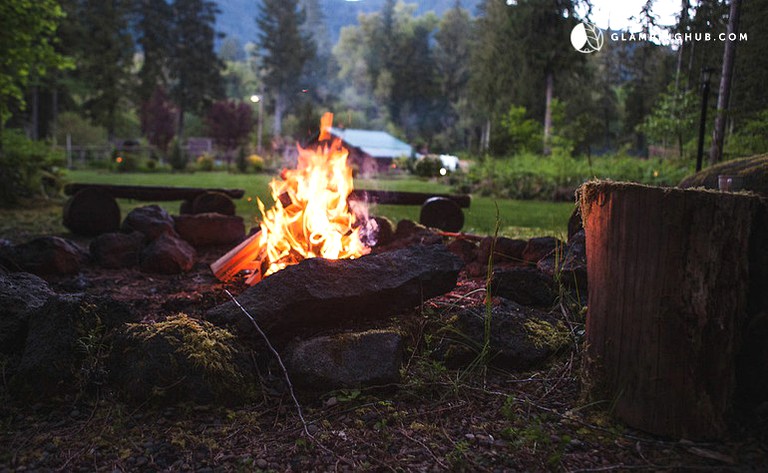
(586, 38)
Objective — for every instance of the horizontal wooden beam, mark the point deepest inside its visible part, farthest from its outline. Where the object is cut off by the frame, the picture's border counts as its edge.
(405, 198)
(151, 193)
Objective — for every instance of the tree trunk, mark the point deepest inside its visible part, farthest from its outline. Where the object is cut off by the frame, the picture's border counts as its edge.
(277, 130)
(729, 56)
(682, 23)
(668, 290)
(548, 111)
(180, 124)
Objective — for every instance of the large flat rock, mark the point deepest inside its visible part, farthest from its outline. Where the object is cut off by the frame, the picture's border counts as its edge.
(319, 293)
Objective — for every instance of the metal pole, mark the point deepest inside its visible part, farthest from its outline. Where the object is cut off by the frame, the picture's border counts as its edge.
(261, 118)
(705, 74)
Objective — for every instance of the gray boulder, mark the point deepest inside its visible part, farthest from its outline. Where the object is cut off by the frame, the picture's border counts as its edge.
(48, 255)
(346, 360)
(319, 293)
(21, 294)
(151, 220)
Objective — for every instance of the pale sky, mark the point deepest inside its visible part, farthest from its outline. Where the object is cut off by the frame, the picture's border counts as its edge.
(618, 12)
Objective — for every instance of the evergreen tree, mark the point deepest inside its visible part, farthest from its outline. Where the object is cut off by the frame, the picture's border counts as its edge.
(155, 28)
(452, 56)
(285, 49)
(195, 70)
(106, 55)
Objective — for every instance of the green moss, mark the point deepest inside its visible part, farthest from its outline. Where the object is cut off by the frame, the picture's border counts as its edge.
(545, 335)
(184, 358)
(753, 170)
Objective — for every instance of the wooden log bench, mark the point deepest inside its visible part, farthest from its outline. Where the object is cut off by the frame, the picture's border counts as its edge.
(92, 208)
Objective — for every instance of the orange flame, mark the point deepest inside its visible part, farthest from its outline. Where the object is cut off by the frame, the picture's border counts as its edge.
(310, 217)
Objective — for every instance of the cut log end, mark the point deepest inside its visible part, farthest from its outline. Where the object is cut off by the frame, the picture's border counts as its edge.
(668, 280)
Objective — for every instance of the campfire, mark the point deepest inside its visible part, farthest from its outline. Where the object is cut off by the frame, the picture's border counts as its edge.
(310, 218)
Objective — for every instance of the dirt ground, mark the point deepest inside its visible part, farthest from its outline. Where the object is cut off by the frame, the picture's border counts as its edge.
(437, 419)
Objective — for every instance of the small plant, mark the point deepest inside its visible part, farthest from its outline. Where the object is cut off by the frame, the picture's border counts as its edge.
(205, 163)
(178, 159)
(256, 162)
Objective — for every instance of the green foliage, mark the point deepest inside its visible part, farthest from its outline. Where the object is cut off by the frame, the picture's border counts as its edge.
(428, 166)
(242, 160)
(751, 139)
(27, 168)
(195, 70)
(205, 163)
(179, 158)
(525, 134)
(105, 59)
(673, 118)
(81, 131)
(530, 176)
(27, 31)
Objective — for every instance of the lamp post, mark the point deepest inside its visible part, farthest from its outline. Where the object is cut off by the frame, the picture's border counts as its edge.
(259, 99)
(706, 74)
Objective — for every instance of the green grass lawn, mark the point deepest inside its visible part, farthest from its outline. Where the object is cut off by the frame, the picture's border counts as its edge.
(518, 218)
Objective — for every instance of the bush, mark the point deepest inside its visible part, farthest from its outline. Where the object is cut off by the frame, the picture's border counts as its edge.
(428, 167)
(256, 162)
(27, 168)
(80, 130)
(125, 161)
(530, 176)
(205, 163)
(178, 159)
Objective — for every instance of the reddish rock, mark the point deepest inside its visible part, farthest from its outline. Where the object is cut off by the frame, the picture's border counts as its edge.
(539, 248)
(464, 249)
(505, 250)
(167, 255)
(210, 229)
(48, 255)
(117, 250)
(151, 220)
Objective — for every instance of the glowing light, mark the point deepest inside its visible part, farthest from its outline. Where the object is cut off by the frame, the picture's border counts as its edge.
(443, 171)
(119, 159)
(255, 98)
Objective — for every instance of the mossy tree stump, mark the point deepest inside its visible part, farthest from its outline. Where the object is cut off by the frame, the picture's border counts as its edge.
(668, 280)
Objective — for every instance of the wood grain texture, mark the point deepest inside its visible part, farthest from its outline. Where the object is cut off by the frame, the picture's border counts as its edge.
(668, 281)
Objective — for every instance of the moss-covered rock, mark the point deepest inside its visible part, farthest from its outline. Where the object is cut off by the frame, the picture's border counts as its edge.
(521, 338)
(753, 170)
(66, 347)
(181, 359)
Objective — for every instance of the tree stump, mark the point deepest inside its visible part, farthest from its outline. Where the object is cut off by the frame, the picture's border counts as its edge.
(91, 212)
(668, 286)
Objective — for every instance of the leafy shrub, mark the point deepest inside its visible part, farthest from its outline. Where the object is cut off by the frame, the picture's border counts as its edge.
(530, 176)
(178, 159)
(428, 167)
(126, 161)
(80, 130)
(205, 163)
(27, 167)
(256, 162)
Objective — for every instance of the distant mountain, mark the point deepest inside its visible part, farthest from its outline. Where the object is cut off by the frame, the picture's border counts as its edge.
(238, 17)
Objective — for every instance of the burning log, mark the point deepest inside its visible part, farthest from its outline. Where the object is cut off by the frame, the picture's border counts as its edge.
(319, 293)
(668, 282)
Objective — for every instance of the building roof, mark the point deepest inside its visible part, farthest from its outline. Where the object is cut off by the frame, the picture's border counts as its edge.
(378, 144)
